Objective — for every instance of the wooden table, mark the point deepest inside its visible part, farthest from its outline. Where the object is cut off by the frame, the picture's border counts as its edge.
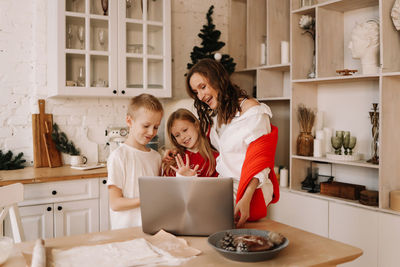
(305, 249)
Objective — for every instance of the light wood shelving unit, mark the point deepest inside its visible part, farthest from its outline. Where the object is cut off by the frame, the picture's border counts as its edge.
(278, 20)
(345, 101)
(253, 23)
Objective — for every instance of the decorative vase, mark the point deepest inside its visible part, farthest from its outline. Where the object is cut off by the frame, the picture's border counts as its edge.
(311, 74)
(305, 144)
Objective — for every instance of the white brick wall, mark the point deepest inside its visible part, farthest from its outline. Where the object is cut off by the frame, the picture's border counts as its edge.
(23, 59)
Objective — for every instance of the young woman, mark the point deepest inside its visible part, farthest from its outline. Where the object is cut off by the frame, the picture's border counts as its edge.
(239, 128)
(184, 132)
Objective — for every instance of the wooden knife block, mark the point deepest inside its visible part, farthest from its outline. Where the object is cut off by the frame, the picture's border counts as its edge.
(342, 190)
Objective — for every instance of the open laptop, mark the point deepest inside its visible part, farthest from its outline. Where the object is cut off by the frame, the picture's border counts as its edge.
(186, 205)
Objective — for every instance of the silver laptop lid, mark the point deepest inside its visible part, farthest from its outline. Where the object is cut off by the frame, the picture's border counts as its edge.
(186, 205)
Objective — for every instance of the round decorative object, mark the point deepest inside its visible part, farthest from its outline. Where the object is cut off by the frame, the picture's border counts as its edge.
(245, 256)
(396, 15)
(334, 156)
(217, 56)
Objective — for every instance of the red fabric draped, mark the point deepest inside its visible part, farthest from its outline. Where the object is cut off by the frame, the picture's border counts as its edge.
(259, 155)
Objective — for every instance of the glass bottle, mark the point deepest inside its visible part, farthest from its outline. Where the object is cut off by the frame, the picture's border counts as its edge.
(81, 77)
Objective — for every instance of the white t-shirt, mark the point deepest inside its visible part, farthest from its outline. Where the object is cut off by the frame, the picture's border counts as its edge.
(233, 139)
(124, 165)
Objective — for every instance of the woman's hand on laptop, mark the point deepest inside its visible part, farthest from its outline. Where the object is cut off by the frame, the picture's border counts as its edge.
(242, 208)
(242, 212)
(184, 168)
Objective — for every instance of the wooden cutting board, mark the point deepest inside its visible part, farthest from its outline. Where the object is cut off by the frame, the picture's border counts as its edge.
(45, 153)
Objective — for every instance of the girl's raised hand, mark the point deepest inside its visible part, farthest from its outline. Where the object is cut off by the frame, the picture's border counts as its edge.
(184, 168)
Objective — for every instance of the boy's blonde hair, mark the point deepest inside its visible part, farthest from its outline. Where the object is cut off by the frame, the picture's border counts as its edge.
(204, 146)
(146, 101)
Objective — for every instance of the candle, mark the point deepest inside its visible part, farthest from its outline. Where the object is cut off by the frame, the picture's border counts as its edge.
(319, 120)
(318, 143)
(328, 135)
(284, 177)
(284, 52)
(320, 134)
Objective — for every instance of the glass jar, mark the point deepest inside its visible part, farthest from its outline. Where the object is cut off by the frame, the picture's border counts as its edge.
(81, 77)
(305, 144)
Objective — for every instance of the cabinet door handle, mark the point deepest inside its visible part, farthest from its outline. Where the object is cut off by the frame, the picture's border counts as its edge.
(123, 92)
(48, 208)
(59, 208)
(104, 181)
(114, 92)
(54, 192)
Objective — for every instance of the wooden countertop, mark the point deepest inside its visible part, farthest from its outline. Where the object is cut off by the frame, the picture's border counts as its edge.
(30, 175)
(305, 249)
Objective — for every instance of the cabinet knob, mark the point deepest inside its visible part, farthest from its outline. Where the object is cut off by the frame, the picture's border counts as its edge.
(54, 192)
(123, 92)
(114, 92)
(48, 208)
(59, 208)
(104, 181)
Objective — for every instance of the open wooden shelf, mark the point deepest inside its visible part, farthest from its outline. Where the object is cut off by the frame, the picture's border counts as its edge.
(358, 163)
(339, 79)
(354, 203)
(274, 99)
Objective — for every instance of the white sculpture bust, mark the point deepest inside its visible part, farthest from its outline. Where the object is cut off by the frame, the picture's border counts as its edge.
(364, 45)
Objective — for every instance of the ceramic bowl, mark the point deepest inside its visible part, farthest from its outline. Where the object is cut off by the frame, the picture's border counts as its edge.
(214, 239)
(6, 246)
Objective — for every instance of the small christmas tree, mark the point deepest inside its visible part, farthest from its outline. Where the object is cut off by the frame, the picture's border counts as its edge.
(211, 45)
(62, 143)
(7, 162)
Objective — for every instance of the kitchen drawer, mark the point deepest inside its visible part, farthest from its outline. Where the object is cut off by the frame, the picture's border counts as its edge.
(60, 191)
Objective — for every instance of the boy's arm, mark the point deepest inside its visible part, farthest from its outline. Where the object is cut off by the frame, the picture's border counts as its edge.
(118, 202)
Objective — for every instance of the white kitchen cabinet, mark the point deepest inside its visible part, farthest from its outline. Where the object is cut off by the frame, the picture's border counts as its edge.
(37, 221)
(389, 236)
(76, 217)
(104, 206)
(121, 52)
(302, 212)
(63, 208)
(358, 227)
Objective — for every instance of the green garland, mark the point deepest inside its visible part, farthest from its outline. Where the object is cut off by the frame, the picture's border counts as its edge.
(7, 162)
(62, 143)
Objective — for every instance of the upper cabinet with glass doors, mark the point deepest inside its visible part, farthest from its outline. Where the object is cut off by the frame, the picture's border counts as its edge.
(109, 48)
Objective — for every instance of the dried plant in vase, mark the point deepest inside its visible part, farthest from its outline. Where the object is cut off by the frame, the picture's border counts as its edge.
(305, 140)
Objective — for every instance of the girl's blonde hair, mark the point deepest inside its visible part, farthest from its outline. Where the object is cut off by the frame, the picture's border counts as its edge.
(203, 145)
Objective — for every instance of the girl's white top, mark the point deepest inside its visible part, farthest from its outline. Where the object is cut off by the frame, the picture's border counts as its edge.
(233, 139)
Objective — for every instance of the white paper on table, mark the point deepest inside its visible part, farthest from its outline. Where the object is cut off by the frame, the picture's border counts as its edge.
(136, 252)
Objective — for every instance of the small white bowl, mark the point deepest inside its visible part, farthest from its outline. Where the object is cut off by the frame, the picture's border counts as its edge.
(6, 246)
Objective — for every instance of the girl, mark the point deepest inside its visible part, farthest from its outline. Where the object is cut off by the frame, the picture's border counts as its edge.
(184, 132)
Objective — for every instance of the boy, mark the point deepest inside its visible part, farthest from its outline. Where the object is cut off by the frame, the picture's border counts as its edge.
(133, 159)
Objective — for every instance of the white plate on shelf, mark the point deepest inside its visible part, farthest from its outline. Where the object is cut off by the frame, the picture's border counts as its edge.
(334, 156)
(88, 166)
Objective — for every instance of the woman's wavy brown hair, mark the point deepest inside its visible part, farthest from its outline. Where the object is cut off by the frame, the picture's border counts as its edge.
(228, 93)
(203, 145)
